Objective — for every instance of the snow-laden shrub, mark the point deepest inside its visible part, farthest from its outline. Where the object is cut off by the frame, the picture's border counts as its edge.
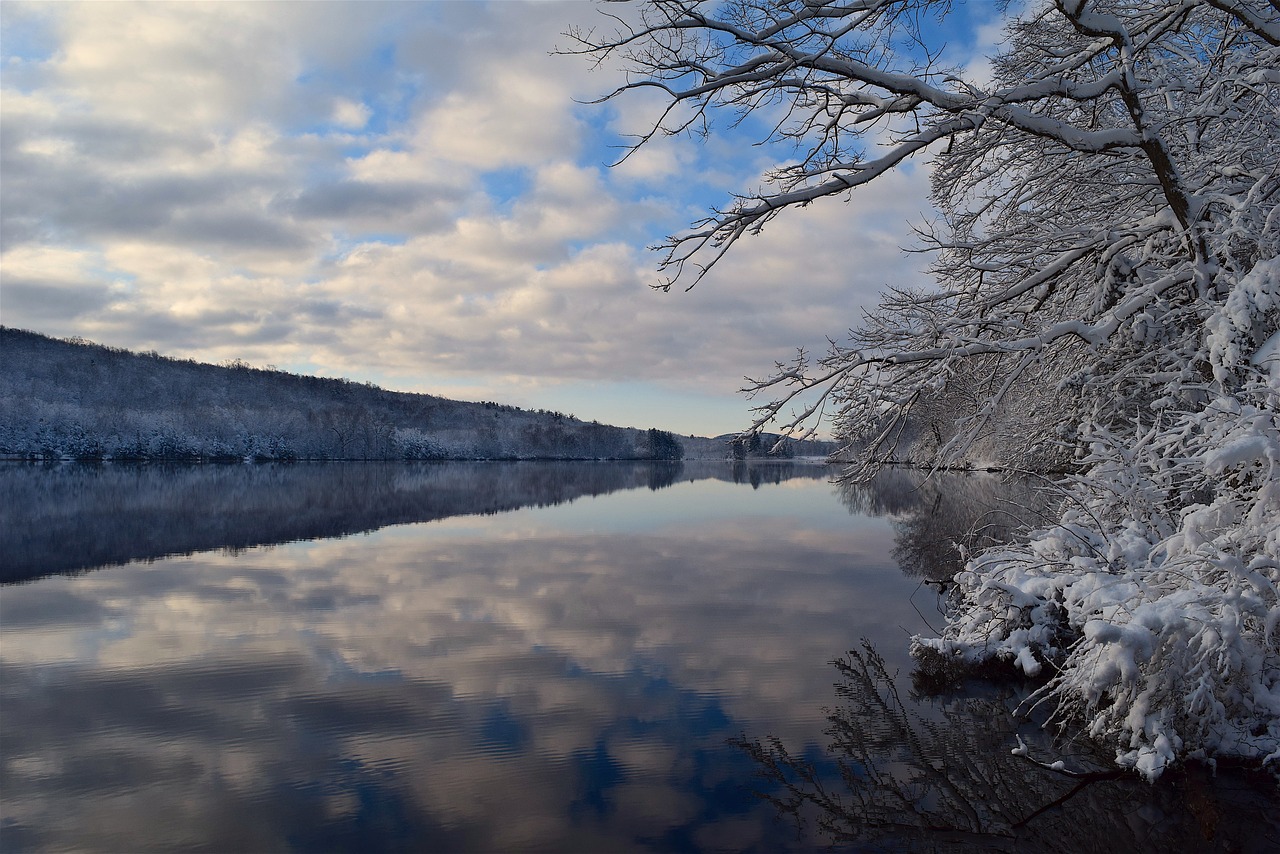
(172, 446)
(413, 444)
(1161, 625)
(262, 448)
(81, 444)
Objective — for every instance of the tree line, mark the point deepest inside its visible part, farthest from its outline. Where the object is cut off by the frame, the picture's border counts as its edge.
(74, 399)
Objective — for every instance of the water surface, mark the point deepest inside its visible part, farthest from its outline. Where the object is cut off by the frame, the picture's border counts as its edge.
(496, 657)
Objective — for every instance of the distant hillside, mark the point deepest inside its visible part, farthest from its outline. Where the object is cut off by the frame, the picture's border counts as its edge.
(79, 400)
(763, 445)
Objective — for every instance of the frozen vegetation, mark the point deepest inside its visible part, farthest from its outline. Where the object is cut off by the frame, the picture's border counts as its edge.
(84, 401)
(1105, 308)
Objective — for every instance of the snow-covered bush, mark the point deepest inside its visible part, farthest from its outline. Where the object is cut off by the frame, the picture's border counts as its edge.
(1156, 599)
(411, 444)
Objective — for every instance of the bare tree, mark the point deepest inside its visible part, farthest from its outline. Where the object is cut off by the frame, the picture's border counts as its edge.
(1081, 190)
(1108, 238)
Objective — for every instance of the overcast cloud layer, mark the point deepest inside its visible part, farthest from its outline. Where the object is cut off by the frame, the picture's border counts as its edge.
(407, 193)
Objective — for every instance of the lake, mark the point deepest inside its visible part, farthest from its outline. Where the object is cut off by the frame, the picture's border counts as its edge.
(526, 656)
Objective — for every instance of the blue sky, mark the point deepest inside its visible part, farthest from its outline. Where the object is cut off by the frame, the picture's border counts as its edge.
(408, 193)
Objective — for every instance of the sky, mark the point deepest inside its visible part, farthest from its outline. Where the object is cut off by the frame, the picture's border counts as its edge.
(411, 194)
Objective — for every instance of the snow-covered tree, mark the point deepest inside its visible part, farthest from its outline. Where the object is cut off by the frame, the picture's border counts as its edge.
(1108, 204)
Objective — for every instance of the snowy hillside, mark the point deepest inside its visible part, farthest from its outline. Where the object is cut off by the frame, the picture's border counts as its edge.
(78, 400)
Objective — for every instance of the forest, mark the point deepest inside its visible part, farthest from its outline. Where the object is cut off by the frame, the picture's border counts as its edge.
(84, 401)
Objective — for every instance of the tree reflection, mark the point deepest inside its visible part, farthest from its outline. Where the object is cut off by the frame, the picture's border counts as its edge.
(941, 776)
(936, 515)
(758, 472)
(68, 518)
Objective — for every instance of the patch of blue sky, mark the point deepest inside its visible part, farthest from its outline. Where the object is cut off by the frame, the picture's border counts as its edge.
(374, 81)
(106, 273)
(505, 187)
(603, 146)
(29, 34)
(386, 111)
(697, 183)
(385, 238)
(119, 280)
(393, 107)
(358, 150)
(960, 30)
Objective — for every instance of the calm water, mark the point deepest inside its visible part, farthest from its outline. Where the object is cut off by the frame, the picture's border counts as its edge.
(499, 657)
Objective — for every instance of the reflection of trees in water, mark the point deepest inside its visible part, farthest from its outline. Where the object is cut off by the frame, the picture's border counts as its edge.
(72, 517)
(757, 472)
(896, 778)
(66, 518)
(935, 515)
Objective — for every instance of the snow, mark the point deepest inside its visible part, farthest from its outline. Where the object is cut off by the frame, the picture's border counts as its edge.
(1267, 358)
(1166, 632)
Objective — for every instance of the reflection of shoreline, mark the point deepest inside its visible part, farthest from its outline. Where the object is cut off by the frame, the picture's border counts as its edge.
(935, 513)
(69, 518)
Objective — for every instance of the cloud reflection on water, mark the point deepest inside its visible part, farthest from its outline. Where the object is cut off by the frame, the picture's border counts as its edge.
(540, 678)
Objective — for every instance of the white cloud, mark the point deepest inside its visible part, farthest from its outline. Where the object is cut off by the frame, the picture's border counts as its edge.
(517, 120)
(175, 65)
(350, 114)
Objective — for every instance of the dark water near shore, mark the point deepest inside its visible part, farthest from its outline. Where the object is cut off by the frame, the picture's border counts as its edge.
(525, 656)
